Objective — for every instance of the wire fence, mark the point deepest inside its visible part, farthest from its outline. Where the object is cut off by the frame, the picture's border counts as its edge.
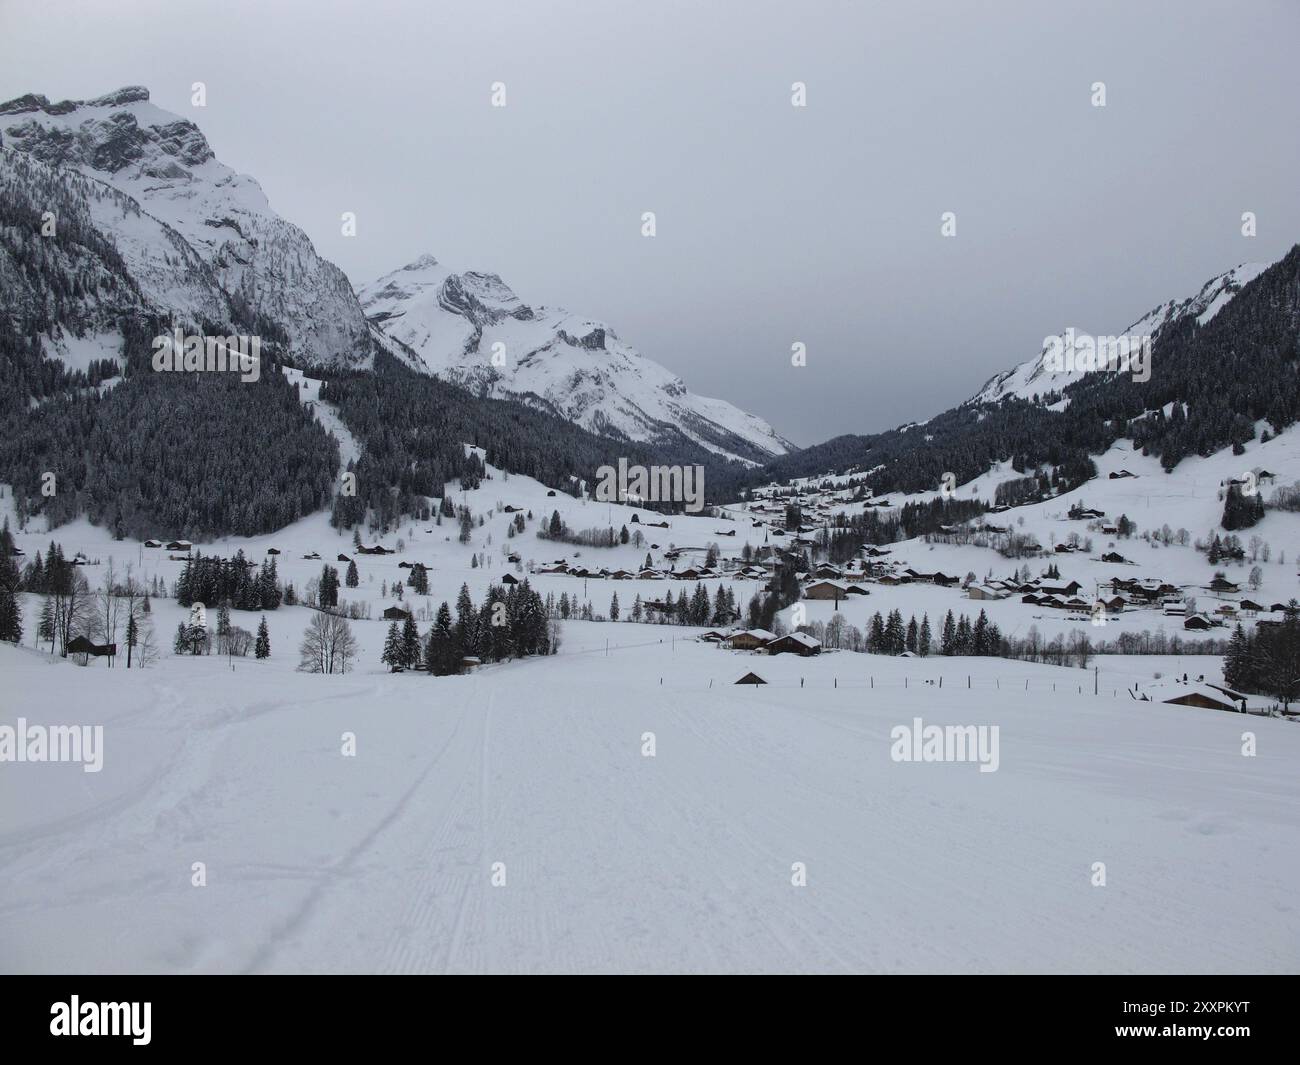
(1089, 682)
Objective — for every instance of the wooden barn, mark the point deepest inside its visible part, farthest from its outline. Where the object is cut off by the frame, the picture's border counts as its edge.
(750, 639)
(79, 645)
(795, 643)
(1201, 696)
(826, 589)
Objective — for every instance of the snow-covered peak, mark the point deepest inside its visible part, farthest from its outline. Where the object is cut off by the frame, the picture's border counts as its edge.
(1033, 378)
(164, 163)
(472, 328)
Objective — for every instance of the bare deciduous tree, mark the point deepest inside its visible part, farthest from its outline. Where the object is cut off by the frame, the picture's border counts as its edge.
(328, 645)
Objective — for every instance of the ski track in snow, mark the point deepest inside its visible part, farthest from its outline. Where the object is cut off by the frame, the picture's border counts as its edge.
(619, 862)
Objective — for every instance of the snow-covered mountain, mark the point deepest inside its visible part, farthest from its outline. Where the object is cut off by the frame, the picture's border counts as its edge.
(202, 242)
(1033, 378)
(471, 328)
(164, 163)
(118, 262)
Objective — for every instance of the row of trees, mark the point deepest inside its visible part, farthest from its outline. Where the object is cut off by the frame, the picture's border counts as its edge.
(695, 609)
(194, 638)
(1267, 660)
(510, 623)
(234, 581)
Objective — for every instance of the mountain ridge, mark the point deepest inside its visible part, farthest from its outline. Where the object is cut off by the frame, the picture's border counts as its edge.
(472, 328)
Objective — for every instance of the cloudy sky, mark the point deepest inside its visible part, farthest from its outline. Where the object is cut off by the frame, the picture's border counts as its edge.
(776, 224)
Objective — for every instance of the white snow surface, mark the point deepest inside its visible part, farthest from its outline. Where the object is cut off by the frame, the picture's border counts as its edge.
(618, 862)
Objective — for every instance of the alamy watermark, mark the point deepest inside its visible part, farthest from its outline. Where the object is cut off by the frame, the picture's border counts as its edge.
(1074, 352)
(178, 353)
(655, 484)
(131, 1019)
(919, 742)
(53, 743)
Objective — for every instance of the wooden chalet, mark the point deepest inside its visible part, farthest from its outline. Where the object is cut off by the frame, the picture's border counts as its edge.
(750, 639)
(797, 643)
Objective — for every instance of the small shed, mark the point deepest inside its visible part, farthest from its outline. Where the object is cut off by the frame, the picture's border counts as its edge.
(751, 678)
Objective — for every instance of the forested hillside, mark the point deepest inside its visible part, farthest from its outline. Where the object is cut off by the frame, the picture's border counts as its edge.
(1209, 384)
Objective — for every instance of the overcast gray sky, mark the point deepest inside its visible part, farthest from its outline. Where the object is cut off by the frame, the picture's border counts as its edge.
(775, 224)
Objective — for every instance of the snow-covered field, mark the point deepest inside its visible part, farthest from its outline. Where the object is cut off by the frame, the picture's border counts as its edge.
(511, 820)
(615, 861)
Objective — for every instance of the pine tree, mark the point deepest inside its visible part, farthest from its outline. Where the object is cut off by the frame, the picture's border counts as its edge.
(963, 641)
(876, 635)
(720, 613)
(353, 578)
(438, 648)
(699, 609)
(924, 638)
(392, 656)
(895, 633)
(1236, 667)
(11, 622)
(328, 591)
(419, 579)
(410, 647)
(262, 646)
(46, 629)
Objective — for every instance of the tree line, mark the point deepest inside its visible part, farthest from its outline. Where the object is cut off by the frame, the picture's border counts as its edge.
(511, 622)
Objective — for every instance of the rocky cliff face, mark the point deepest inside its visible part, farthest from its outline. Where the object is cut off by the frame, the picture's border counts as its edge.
(266, 265)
